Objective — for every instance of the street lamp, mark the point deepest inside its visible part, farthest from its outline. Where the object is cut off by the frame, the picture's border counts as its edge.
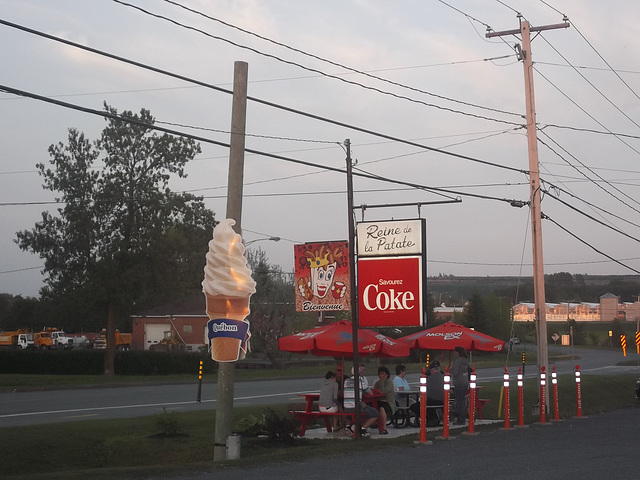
(273, 239)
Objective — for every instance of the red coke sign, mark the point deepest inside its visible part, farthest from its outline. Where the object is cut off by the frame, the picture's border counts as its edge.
(390, 291)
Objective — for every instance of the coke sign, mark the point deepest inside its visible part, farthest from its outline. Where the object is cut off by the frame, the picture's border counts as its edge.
(390, 292)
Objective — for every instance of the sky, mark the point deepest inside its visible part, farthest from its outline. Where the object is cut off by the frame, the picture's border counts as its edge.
(425, 99)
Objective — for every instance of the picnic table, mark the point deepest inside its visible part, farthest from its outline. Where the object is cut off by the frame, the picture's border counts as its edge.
(310, 414)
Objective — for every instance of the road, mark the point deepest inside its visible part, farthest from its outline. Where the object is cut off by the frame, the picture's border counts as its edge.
(61, 405)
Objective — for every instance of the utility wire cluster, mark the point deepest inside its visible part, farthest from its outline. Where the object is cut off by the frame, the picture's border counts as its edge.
(513, 119)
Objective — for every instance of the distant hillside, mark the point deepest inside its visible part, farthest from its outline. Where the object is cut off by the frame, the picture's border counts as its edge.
(560, 287)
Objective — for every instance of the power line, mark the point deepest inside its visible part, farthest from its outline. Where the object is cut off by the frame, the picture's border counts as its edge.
(336, 64)
(582, 240)
(288, 62)
(249, 98)
(106, 114)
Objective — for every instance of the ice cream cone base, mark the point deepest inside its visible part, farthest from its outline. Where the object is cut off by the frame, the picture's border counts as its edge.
(225, 349)
(226, 338)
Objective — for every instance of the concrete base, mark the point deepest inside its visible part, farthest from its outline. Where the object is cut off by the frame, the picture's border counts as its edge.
(421, 444)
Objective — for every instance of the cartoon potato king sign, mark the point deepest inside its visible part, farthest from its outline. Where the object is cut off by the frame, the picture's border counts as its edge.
(391, 266)
(322, 276)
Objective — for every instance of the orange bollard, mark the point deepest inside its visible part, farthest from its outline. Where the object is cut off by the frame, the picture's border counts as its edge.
(472, 400)
(520, 398)
(554, 383)
(578, 392)
(507, 410)
(447, 391)
(543, 388)
(423, 407)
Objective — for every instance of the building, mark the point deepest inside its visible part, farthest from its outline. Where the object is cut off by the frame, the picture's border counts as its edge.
(184, 323)
(446, 314)
(607, 310)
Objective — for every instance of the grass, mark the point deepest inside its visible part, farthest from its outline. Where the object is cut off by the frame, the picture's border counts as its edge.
(10, 382)
(145, 447)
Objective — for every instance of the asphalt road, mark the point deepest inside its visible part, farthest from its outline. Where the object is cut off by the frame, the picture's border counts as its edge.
(50, 406)
(599, 447)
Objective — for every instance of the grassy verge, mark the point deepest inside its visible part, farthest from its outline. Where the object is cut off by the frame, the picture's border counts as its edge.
(10, 382)
(132, 448)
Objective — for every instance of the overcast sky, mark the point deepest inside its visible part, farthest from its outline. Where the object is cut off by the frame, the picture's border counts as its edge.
(418, 70)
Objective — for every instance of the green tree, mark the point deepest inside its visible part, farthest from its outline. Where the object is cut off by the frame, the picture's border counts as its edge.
(122, 240)
(498, 315)
(475, 315)
(273, 310)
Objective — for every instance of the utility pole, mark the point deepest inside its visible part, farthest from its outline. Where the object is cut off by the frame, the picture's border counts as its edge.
(226, 371)
(525, 55)
(353, 289)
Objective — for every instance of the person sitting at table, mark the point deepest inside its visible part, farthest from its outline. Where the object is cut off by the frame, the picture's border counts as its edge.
(328, 402)
(401, 385)
(435, 393)
(399, 382)
(386, 405)
(349, 401)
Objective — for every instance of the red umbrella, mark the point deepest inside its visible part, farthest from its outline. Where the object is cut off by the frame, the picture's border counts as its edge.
(336, 340)
(448, 335)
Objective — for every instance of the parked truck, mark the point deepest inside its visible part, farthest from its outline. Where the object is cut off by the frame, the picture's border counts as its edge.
(50, 338)
(123, 340)
(16, 340)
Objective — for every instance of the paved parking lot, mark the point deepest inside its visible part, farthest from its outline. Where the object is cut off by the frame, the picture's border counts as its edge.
(598, 447)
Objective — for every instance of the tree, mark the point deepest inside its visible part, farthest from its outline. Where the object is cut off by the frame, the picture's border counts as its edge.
(498, 311)
(123, 239)
(475, 314)
(272, 306)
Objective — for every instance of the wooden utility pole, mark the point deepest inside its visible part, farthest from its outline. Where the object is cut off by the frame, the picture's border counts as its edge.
(226, 371)
(524, 54)
(353, 289)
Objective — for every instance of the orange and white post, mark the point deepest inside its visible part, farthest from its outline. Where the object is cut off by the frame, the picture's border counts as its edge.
(423, 407)
(472, 399)
(507, 409)
(554, 384)
(578, 392)
(520, 398)
(447, 392)
(543, 388)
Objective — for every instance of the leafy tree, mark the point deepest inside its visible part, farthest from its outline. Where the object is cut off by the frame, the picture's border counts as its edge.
(272, 306)
(123, 239)
(474, 313)
(498, 312)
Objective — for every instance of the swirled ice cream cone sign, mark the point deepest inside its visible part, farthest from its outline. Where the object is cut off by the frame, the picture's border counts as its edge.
(227, 286)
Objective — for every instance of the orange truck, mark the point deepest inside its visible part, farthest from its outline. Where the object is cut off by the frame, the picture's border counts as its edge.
(16, 340)
(51, 338)
(123, 340)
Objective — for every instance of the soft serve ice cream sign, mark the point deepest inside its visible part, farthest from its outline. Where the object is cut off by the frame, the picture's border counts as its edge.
(391, 265)
(227, 286)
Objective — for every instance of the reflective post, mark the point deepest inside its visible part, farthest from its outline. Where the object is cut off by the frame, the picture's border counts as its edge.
(543, 388)
(554, 383)
(423, 407)
(472, 399)
(520, 398)
(447, 391)
(578, 392)
(507, 412)
(199, 399)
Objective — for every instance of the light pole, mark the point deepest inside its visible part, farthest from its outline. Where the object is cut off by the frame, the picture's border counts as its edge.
(273, 239)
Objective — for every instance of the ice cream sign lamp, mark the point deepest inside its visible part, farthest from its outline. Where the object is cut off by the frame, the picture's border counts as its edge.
(227, 286)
